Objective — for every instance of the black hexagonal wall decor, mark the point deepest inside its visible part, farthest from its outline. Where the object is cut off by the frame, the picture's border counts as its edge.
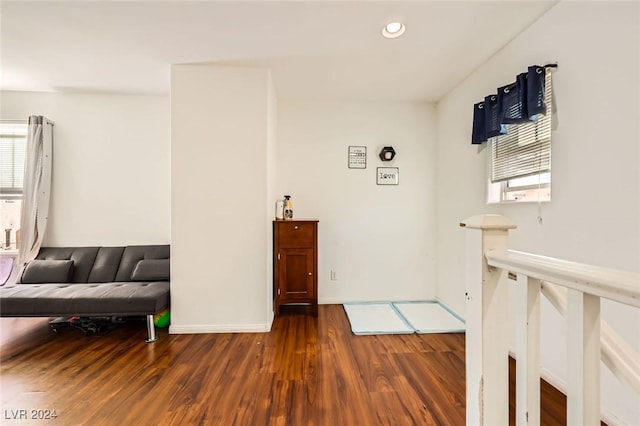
(387, 153)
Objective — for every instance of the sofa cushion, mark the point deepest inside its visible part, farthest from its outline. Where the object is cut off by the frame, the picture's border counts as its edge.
(133, 254)
(151, 270)
(47, 271)
(105, 266)
(83, 258)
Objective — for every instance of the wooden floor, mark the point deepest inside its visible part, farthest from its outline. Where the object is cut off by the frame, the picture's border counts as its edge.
(306, 371)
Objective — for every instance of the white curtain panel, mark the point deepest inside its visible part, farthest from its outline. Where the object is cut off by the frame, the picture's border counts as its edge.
(36, 188)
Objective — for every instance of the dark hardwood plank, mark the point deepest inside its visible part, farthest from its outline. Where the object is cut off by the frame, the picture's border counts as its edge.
(307, 371)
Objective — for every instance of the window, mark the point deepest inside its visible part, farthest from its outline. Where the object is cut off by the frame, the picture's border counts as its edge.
(13, 141)
(520, 160)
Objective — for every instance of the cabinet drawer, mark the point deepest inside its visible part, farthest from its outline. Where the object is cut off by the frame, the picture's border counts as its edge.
(296, 234)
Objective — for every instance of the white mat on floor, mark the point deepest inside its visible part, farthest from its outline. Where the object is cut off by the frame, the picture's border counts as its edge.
(430, 317)
(375, 318)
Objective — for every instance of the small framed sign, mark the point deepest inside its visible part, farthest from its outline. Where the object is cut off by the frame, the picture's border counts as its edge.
(387, 175)
(357, 157)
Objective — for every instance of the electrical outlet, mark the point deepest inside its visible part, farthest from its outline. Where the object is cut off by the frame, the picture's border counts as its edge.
(334, 275)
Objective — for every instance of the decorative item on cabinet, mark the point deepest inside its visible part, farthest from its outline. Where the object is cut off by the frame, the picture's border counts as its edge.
(295, 264)
(279, 209)
(288, 208)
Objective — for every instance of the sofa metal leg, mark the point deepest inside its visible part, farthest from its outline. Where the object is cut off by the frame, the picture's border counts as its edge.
(151, 330)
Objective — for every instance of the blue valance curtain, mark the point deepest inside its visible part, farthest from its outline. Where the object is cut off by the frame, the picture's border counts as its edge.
(518, 102)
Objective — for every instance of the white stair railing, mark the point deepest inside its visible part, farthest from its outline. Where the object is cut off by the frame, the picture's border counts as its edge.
(617, 354)
(489, 264)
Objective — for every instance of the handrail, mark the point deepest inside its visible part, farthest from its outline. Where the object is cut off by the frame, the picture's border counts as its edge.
(616, 285)
(589, 341)
(619, 286)
(616, 354)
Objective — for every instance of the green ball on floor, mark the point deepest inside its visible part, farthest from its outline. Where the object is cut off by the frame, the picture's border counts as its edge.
(162, 319)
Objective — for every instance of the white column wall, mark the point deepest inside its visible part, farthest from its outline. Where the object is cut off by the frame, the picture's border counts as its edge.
(220, 137)
(272, 163)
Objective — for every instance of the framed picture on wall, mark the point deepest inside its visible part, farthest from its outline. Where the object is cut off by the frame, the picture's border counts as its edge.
(357, 157)
(387, 175)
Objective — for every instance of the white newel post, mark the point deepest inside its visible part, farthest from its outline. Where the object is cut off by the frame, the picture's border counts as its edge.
(487, 350)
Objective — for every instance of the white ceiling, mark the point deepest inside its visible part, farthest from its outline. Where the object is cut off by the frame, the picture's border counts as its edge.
(316, 50)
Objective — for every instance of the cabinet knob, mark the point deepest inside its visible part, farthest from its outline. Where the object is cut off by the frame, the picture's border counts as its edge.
(295, 227)
(309, 273)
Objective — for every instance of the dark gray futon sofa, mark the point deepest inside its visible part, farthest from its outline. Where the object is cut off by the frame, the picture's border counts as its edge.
(92, 281)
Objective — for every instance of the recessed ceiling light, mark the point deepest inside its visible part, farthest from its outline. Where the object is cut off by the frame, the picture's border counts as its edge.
(393, 30)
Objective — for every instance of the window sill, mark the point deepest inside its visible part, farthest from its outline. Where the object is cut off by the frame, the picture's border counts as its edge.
(518, 202)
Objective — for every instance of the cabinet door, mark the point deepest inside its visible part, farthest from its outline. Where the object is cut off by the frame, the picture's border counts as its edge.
(296, 274)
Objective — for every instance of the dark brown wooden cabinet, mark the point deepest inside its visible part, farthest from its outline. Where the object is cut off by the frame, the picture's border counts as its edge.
(295, 263)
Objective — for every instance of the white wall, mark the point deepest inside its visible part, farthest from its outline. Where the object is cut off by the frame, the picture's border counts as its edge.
(595, 209)
(379, 239)
(110, 183)
(221, 132)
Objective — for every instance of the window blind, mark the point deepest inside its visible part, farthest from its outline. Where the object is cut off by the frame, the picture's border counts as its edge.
(526, 148)
(13, 142)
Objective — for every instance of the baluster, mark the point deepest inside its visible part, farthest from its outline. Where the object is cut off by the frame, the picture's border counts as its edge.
(583, 363)
(527, 311)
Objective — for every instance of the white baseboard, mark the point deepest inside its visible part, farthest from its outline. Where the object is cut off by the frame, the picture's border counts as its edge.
(270, 318)
(335, 301)
(331, 301)
(219, 328)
